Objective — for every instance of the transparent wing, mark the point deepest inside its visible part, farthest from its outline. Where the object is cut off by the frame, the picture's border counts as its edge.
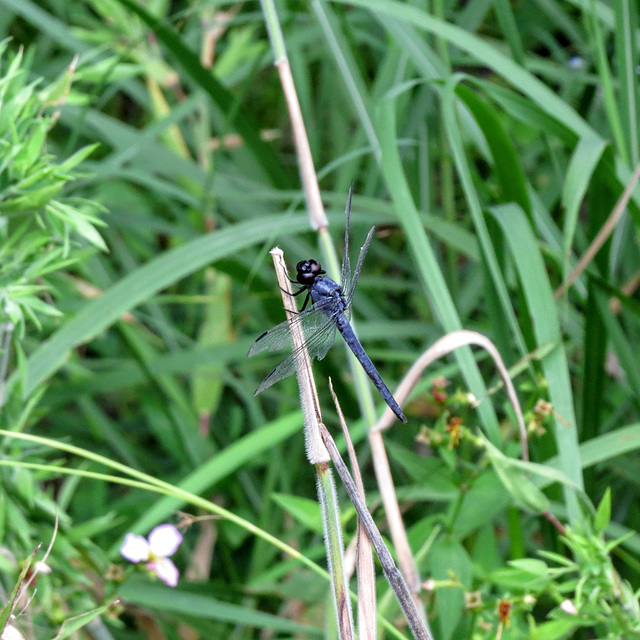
(356, 274)
(345, 273)
(317, 345)
(279, 337)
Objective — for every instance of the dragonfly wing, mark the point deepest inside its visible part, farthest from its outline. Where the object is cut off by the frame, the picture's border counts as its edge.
(317, 346)
(345, 273)
(279, 337)
(356, 273)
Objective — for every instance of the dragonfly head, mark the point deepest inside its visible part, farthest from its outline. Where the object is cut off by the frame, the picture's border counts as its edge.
(308, 270)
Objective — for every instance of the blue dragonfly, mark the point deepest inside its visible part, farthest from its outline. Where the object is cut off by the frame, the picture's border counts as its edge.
(330, 311)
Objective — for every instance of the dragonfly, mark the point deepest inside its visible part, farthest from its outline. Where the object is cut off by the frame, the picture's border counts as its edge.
(329, 312)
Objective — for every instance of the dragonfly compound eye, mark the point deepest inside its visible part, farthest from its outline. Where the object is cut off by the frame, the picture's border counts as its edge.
(308, 270)
(303, 266)
(315, 267)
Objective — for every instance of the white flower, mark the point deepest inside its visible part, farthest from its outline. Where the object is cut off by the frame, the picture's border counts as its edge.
(163, 542)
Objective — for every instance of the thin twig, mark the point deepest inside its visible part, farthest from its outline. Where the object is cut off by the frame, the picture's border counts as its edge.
(305, 159)
(391, 572)
(602, 236)
(367, 619)
(316, 452)
(318, 455)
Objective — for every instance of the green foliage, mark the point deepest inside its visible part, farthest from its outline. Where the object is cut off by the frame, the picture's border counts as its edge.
(489, 141)
(38, 224)
(43, 232)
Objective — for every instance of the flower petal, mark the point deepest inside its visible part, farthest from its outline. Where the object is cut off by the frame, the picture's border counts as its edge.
(135, 548)
(164, 540)
(165, 570)
(568, 607)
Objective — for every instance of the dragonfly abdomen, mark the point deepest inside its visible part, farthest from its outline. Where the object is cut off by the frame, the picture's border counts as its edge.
(342, 323)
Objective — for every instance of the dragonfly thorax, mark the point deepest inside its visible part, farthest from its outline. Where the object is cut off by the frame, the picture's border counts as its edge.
(308, 271)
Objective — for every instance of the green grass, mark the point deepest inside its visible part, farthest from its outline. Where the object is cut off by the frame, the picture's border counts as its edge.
(489, 143)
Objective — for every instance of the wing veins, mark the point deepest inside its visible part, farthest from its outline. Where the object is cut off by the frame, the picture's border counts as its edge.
(356, 274)
(279, 337)
(345, 271)
(317, 345)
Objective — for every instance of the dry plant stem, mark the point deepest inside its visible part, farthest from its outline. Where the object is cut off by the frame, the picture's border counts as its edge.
(320, 223)
(23, 588)
(394, 518)
(309, 179)
(316, 452)
(214, 25)
(318, 456)
(330, 509)
(441, 347)
(367, 616)
(603, 234)
(391, 572)
(307, 170)
(555, 522)
(18, 597)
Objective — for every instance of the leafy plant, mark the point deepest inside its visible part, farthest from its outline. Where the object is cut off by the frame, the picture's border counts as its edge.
(38, 225)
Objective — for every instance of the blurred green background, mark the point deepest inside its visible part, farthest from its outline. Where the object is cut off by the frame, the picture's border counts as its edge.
(147, 168)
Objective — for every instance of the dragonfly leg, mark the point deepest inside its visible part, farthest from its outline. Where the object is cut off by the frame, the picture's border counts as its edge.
(297, 293)
(306, 301)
